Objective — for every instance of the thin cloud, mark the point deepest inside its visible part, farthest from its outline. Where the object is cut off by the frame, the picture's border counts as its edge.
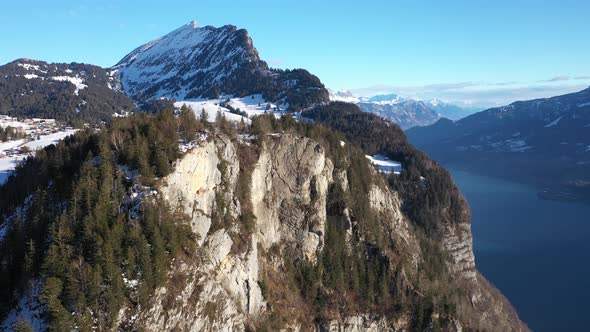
(557, 79)
(582, 78)
(412, 90)
(503, 83)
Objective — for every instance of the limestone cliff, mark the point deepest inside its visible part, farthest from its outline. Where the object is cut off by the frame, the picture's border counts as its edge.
(226, 288)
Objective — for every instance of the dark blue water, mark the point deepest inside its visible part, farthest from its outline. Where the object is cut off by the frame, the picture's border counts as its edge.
(536, 252)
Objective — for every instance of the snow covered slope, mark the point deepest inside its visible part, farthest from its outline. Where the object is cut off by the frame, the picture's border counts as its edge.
(234, 109)
(195, 62)
(188, 62)
(10, 152)
(344, 96)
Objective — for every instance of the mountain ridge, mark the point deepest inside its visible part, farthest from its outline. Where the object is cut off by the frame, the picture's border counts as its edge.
(207, 62)
(68, 92)
(406, 112)
(546, 137)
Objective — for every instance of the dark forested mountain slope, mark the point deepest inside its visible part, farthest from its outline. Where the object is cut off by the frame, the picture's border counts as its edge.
(546, 141)
(193, 62)
(67, 92)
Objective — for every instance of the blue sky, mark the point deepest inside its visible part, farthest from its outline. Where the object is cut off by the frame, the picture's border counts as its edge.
(474, 51)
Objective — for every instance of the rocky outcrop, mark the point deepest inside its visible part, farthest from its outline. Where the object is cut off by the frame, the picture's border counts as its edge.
(192, 187)
(357, 324)
(219, 292)
(458, 243)
(289, 191)
(388, 204)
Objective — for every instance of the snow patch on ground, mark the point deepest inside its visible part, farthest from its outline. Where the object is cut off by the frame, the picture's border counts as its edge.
(46, 140)
(517, 145)
(130, 283)
(29, 66)
(252, 105)
(76, 81)
(6, 221)
(385, 164)
(4, 227)
(212, 109)
(186, 146)
(7, 166)
(29, 308)
(553, 123)
(8, 163)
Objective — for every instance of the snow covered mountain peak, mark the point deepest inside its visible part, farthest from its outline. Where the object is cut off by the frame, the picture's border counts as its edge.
(343, 95)
(192, 63)
(435, 102)
(386, 99)
(189, 62)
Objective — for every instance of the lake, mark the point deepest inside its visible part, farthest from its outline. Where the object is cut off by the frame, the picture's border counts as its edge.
(536, 252)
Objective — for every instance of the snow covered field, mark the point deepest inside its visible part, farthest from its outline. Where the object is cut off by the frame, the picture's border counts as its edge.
(385, 164)
(252, 105)
(8, 160)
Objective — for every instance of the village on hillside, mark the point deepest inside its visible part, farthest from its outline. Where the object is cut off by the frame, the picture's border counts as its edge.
(20, 138)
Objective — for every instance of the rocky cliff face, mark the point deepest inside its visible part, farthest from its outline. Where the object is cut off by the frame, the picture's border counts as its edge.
(289, 191)
(220, 291)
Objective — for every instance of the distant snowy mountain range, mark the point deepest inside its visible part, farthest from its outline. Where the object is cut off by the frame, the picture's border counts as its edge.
(406, 112)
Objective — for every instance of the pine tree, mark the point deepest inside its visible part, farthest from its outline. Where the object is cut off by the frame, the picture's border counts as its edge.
(29, 261)
(204, 117)
(58, 317)
(187, 124)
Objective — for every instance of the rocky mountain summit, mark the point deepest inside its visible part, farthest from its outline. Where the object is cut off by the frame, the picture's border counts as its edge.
(206, 62)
